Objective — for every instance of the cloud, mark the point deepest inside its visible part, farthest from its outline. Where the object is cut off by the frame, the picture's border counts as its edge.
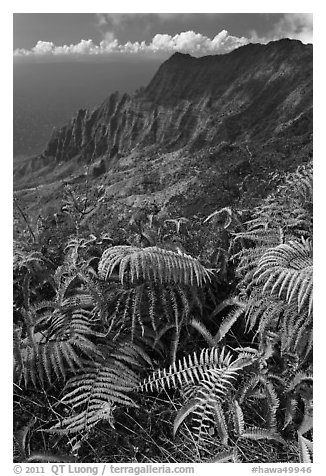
(196, 43)
(186, 42)
(117, 20)
(291, 25)
(296, 26)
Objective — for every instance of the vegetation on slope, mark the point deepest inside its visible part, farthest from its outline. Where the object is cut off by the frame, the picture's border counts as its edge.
(175, 339)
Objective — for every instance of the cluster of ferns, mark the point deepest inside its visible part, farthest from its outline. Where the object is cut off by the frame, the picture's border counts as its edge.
(132, 320)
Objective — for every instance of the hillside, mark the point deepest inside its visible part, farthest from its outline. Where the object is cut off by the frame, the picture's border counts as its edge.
(206, 132)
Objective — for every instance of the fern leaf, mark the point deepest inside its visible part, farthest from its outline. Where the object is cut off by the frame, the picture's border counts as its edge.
(223, 217)
(290, 267)
(220, 422)
(211, 375)
(94, 391)
(184, 411)
(47, 457)
(86, 420)
(290, 410)
(238, 419)
(193, 368)
(223, 457)
(228, 322)
(307, 422)
(299, 378)
(262, 434)
(201, 328)
(305, 449)
(152, 263)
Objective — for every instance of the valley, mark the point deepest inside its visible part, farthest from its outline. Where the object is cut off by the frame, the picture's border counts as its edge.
(205, 132)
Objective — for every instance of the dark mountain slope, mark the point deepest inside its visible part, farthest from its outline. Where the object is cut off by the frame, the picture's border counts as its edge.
(254, 92)
(186, 77)
(206, 132)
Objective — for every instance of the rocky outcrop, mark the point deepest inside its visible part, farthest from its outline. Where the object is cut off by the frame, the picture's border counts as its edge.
(253, 93)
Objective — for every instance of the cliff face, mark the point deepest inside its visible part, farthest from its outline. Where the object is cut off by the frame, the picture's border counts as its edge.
(253, 93)
(206, 133)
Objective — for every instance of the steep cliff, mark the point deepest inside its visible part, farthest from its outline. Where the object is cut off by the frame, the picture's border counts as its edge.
(205, 133)
(254, 92)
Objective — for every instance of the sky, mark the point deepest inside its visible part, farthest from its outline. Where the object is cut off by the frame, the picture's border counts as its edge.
(103, 36)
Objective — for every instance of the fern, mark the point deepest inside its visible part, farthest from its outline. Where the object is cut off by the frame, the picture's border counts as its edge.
(208, 379)
(37, 358)
(194, 368)
(305, 449)
(220, 422)
(299, 389)
(262, 434)
(99, 386)
(222, 217)
(157, 288)
(152, 264)
(259, 385)
(238, 419)
(224, 457)
(287, 270)
(152, 308)
(238, 309)
(184, 411)
(32, 261)
(211, 390)
(275, 268)
(284, 216)
(230, 319)
(103, 311)
(56, 335)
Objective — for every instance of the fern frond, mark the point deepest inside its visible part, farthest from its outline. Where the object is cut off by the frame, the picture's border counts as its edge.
(223, 457)
(220, 423)
(307, 421)
(290, 411)
(192, 369)
(31, 260)
(298, 379)
(184, 411)
(51, 359)
(152, 264)
(54, 345)
(99, 382)
(287, 269)
(229, 321)
(222, 217)
(238, 419)
(262, 434)
(202, 329)
(211, 389)
(86, 420)
(207, 380)
(247, 387)
(273, 404)
(98, 386)
(305, 449)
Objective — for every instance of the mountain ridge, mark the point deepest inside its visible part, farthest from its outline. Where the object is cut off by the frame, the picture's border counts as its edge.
(218, 99)
(205, 131)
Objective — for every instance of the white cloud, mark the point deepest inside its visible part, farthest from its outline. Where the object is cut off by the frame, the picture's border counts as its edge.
(43, 48)
(187, 42)
(296, 26)
(291, 25)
